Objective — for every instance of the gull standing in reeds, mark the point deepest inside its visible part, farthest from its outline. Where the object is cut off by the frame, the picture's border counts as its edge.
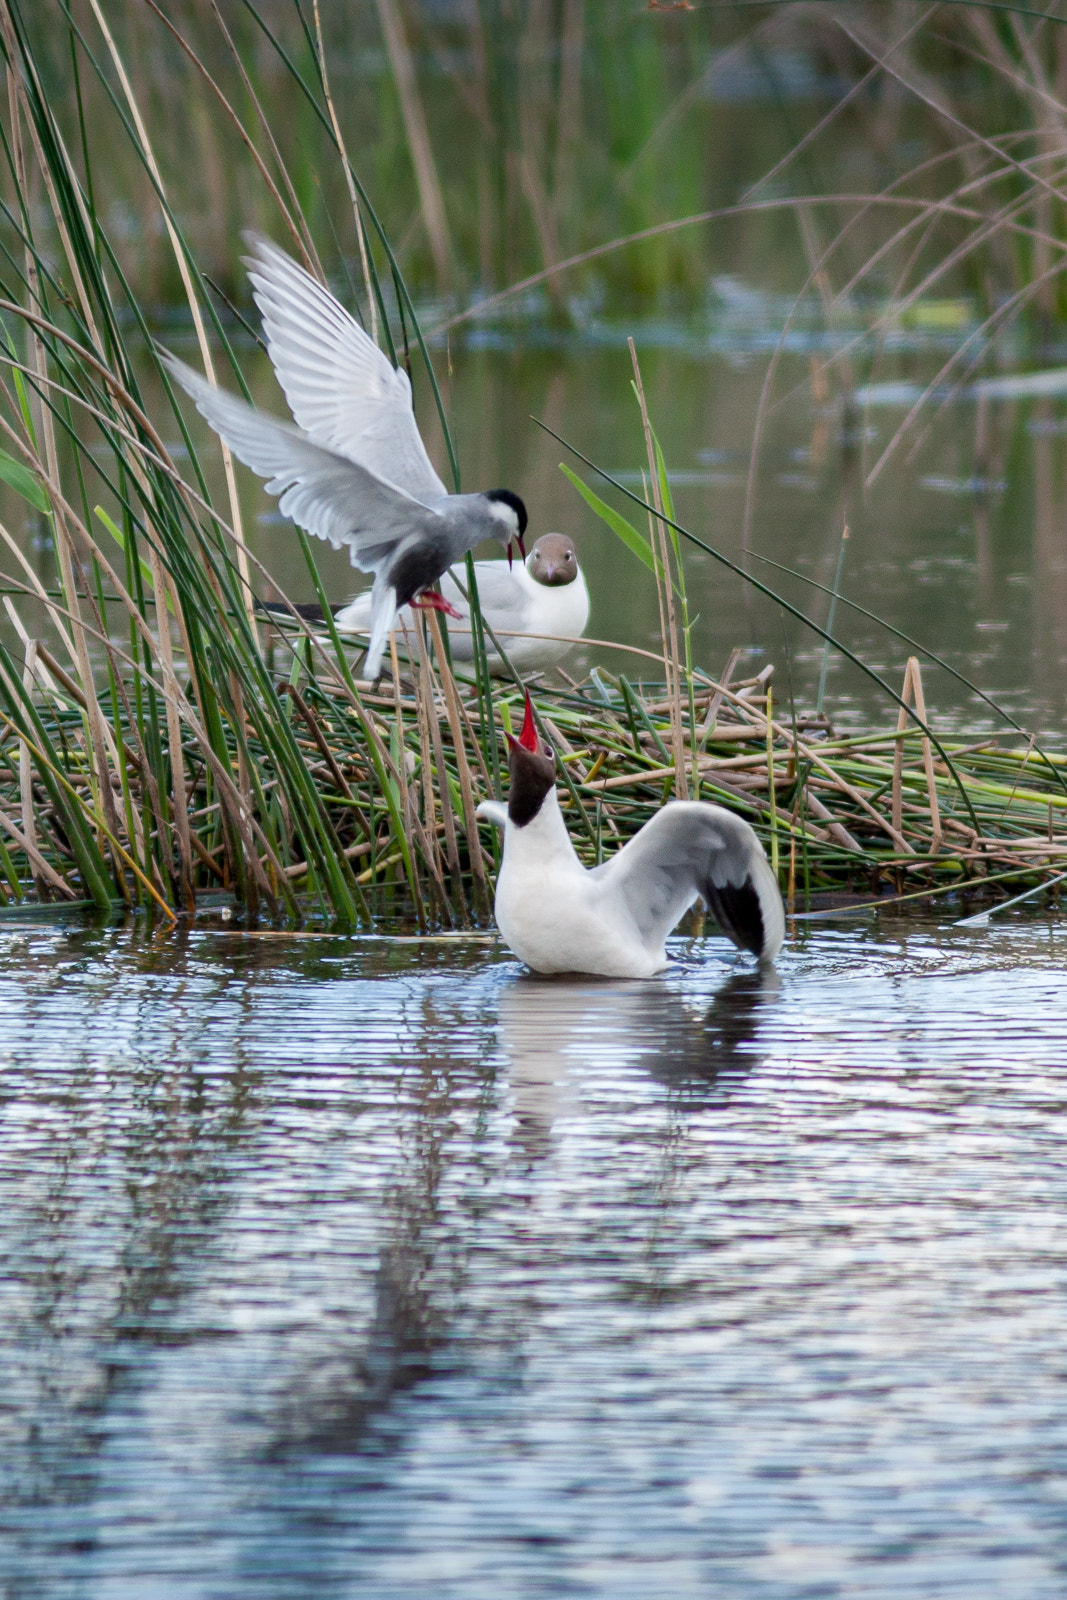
(537, 610)
(613, 920)
(353, 470)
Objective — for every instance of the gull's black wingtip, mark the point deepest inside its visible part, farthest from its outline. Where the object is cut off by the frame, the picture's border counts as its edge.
(309, 610)
(738, 909)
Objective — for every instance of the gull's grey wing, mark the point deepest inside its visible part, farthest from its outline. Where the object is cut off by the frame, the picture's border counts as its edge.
(501, 594)
(690, 849)
(501, 597)
(341, 389)
(493, 811)
(326, 493)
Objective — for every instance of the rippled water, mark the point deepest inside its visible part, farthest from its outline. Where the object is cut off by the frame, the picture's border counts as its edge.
(345, 1267)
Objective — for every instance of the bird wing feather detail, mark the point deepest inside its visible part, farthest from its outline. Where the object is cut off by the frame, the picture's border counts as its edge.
(328, 494)
(502, 594)
(690, 849)
(342, 390)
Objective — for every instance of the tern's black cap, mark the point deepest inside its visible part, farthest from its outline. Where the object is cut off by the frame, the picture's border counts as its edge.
(513, 501)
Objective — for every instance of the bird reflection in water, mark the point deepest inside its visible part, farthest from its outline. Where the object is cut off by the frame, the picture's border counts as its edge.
(551, 1031)
(548, 1026)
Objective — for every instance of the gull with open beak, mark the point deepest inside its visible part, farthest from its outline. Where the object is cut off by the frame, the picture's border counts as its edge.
(613, 920)
(353, 469)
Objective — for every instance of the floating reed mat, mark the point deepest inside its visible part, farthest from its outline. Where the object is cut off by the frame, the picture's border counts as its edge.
(324, 796)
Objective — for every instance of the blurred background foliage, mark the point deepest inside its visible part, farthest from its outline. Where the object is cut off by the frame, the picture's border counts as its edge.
(499, 138)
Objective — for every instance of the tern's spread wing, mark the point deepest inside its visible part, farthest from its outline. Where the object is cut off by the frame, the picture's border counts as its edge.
(326, 493)
(341, 389)
(690, 849)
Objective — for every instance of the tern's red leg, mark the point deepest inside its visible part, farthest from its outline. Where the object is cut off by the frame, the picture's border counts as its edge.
(432, 601)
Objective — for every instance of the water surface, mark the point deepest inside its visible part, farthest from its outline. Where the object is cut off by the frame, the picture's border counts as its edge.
(353, 1267)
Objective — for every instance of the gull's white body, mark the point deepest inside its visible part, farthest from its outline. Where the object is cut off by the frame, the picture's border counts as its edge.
(354, 470)
(558, 916)
(516, 607)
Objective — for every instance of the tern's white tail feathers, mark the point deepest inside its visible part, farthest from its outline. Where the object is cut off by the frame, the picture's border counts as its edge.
(383, 612)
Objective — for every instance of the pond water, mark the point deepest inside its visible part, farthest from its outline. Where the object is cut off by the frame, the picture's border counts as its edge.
(368, 1267)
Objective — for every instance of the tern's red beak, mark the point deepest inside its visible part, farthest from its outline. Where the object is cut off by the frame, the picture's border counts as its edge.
(522, 547)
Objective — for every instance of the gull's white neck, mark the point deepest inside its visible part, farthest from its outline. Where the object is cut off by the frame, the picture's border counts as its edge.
(553, 913)
(543, 842)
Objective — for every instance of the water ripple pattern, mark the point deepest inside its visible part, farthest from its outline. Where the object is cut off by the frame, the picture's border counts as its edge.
(356, 1268)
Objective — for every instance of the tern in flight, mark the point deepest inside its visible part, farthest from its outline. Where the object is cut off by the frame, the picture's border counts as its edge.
(351, 467)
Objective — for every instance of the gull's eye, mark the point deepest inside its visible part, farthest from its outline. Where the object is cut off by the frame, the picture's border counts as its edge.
(548, 753)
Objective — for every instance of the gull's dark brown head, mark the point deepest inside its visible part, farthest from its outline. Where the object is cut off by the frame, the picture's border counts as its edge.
(553, 561)
(532, 767)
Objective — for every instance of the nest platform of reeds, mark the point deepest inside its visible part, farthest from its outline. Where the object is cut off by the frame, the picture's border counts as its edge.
(373, 812)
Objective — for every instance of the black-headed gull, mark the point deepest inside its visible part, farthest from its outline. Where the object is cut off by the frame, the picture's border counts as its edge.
(545, 597)
(613, 920)
(354, 469)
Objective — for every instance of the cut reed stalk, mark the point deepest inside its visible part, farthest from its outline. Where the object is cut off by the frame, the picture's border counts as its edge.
(664, 586)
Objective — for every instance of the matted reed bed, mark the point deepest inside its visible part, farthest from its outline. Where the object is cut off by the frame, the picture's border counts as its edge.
(373, 811)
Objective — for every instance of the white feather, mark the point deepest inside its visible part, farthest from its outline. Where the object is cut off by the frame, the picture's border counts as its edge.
(341, 389)
(384, 611)
(332, 497)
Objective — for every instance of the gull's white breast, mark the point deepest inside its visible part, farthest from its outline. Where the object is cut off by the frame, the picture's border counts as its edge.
(558, 918)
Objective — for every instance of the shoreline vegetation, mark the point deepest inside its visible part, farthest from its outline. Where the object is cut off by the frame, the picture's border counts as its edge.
(160, 743)
(398, 768)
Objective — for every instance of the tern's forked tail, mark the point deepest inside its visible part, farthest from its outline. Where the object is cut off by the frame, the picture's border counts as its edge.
(382, 616)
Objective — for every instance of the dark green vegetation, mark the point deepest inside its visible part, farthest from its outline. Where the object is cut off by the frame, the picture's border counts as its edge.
(148, 764)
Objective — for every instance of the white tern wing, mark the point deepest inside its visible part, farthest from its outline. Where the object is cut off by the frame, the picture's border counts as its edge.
(690, 849)
(331, 496)
(341, 389)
